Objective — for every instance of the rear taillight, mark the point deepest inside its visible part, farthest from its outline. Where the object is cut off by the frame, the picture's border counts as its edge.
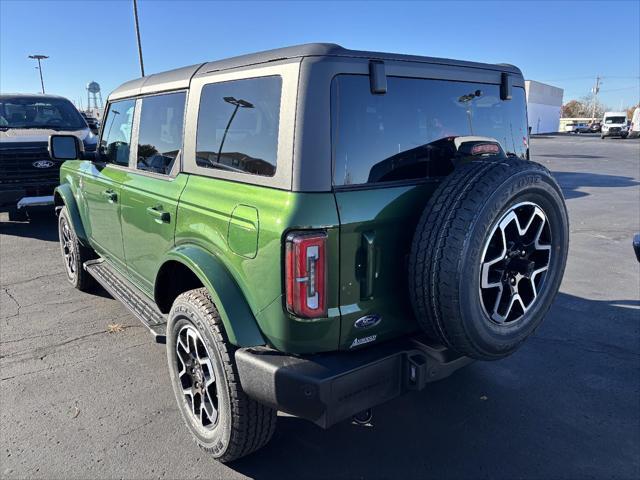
(306, 274)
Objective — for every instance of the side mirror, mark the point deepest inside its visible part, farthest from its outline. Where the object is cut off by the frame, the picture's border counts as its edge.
(64, 147)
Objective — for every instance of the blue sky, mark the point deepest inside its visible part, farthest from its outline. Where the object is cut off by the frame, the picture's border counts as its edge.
(562, 43)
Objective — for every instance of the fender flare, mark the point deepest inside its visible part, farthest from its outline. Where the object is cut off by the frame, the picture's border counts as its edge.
(238, 319)
(63, 193)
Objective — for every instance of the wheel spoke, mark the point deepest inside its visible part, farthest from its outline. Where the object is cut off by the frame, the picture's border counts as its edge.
(208, 407)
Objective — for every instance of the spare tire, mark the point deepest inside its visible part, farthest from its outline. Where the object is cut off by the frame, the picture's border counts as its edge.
(488, 256)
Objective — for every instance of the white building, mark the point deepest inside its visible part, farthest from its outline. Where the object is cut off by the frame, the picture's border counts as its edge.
(544, 106)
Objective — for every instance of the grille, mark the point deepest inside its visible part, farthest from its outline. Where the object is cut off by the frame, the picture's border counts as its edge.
(16, 165)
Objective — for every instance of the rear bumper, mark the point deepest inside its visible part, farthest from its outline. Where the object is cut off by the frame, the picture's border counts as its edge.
(331, 387)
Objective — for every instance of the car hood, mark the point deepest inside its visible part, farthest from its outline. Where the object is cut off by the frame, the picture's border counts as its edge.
(35, 135)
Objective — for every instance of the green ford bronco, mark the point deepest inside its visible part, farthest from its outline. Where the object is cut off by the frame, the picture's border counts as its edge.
(315, 230)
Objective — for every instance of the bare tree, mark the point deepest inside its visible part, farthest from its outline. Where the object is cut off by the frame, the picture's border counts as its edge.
(583, 108)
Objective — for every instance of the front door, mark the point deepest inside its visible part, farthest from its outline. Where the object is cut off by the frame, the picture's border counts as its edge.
(101, 183)
(150, 193)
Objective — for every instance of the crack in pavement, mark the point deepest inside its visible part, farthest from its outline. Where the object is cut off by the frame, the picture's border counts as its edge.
(10, 295)
(42, 352)
(27, 338)
(34, 279)
(49, 349)
(50, 367)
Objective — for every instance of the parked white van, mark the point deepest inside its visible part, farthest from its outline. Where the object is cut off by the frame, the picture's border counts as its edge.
(614, 124)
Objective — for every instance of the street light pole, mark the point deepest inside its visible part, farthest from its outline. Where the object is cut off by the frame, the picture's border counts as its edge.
(38, 58)
(135, 16)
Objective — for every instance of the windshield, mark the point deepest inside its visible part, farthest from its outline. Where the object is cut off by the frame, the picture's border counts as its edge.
(39, 112)
(610, 120)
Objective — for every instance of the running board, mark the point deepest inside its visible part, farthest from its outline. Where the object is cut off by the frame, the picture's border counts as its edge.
(130, 295)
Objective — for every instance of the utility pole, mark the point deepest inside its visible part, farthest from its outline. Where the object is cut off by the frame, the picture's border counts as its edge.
(39, 58)
(595, 90)
(135, 16)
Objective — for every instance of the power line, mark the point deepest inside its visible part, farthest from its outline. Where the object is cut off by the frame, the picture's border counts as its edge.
(623, 88)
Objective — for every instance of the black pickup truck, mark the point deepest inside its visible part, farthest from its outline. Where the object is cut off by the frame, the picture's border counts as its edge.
(27, 174)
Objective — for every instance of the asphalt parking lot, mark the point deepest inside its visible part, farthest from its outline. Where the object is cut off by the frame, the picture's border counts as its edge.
(79, 402)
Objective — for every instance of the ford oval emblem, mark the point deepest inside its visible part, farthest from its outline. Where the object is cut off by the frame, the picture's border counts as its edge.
(368, 321)
(43, 164)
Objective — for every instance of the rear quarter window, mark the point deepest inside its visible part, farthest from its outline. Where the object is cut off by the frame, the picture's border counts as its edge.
(413, 131)
(238, 125)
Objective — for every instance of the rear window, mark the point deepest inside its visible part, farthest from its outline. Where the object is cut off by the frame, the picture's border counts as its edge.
(419, 127)
(238, 125)
(160, 132)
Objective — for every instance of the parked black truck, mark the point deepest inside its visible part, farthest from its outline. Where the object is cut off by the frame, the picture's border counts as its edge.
(27, 174)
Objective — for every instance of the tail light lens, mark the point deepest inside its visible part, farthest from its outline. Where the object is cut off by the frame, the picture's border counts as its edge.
(306, 274)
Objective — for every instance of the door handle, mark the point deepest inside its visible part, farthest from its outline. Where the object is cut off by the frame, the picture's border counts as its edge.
(158, 214)
(112, 196)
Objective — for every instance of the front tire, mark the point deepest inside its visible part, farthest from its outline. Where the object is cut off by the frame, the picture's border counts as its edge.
(74, 254)
(223, 420)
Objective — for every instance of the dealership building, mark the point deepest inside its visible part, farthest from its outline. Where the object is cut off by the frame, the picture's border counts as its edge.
(544, 106)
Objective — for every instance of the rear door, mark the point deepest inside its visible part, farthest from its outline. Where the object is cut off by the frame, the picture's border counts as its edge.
(101, 183)
(150, 193)
(390, 152)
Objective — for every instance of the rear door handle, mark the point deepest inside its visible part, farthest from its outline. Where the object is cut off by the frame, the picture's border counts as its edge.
(158, 214)
(112, 196)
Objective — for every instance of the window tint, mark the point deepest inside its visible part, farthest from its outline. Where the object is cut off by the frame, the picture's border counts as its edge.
(238, 125)
(116, 133)
(419, 128)
(160, 132)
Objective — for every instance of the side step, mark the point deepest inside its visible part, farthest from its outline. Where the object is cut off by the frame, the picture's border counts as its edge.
(130, 295)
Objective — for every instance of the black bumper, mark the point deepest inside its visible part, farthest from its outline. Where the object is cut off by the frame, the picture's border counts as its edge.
(331, 387)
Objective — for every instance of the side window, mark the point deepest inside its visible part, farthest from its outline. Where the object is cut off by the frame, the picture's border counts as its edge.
(238, 125)
(419, 128)
(116, 133)
(160, 132)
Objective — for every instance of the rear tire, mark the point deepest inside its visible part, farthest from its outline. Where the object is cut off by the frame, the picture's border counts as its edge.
(488, 256)
(74, 254)
(229, 424)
